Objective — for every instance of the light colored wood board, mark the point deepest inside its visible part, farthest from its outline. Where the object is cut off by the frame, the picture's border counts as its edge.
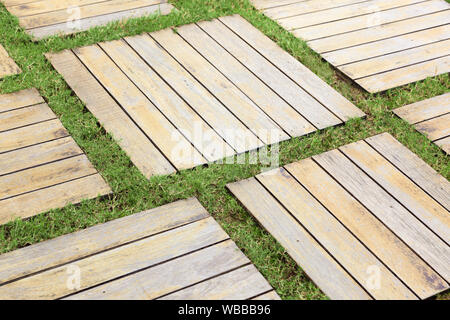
(45, 176)
(435, 128)
(381, 32)
(396, 60)
(396, 217)
(30, 204)
(30, 135)
(150, 120)
(444, 144)
(296, 71)
(87, 23)
(73, 246)
(8, 3)
(304, 7)
(25, 116)
(345, 12)
(425, 109)
(395, 78)
(271, 295)
(386, 46)
(323, 270)
(88, 11)
(7, 65)
(170, 276)
(425, 208)
(374, 20)
(264, 4)
(96, 269)
(194, 94)
(282, 113)
(412, 166)
(304, 103)
(38, 154)
(19, 99)
(241, 284)
(333, 236)
(131, 139)
(224, 90)
(167, 101)
(398, 257)
(43, 6)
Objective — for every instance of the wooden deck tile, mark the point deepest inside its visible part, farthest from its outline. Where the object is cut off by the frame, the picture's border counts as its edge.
(7, 65)
(209, 91)
(379, 44)
(430, 117)
(45, 18)
(38, 159)
(364, 221)
(176, 251)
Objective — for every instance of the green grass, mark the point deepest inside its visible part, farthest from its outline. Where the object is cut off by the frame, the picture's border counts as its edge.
(134, 193)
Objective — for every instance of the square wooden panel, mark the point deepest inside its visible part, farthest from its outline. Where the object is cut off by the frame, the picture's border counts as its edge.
(176, 251)
(209, 91)
(379, 44)
(369, 220)
(44, 18)
(41, 166)
(7, 65)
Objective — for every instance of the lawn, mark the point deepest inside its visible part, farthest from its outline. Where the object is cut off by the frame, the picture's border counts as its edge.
(134, 193)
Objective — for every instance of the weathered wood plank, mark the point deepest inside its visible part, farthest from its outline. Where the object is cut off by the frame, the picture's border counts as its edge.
(296, 71)
(444, 144)
(333, 280)
(43, 6)
(243, 283)
(20, 99)
(139, 148)
(263, 4)
(30, 204)
(425, 109)
(95, 239)
(435, 128)
(25, 116)
(271, 295)
(7, 65)
(170, 276)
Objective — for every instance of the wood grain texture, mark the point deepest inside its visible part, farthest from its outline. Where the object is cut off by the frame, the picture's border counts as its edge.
(271, 295)
(7, 65)
(425, 109)
(25, 116)
(435, 128)
(444, 144)
(19, 99)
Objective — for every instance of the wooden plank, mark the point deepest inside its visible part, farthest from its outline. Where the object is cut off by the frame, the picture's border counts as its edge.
(33, 134)
(412, 166)
(435, 128)
(398, 257)
(282, 113)
(51, 253)
(296, 71)
(45, 176)
(7, 65)
(333, 280)
(271, 295)
(194, 94)
(381, 32)
(263, 4)
(396, 60)
(300, 100)
(30, 204)
(88, 11)
(170, 276)
(225, 91)
(386, 46)
(425, 109)
(52, 284)
(371, 20)
(416, 72)
(333, 236)
(167, 101)
(177, 148)
(87, 23)
(43, 6)
(38, 154)
(8, 3)
(240, 284)
(444, 144)
(418, 237)
(431, 213)
(19, 99)
(131, 139)
(25, 116)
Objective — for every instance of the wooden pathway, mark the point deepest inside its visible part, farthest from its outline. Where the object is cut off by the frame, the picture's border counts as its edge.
(369, 220)
(176, 251)
(7, 65)
(41, 166)
(431, 117)
(213, 89)
(379, 44)
(44, 18)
